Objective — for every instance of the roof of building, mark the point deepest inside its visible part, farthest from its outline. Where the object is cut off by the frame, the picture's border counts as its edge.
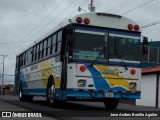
(154, 43)
(150, 70)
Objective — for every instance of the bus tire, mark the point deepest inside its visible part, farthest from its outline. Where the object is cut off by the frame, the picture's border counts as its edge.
(20, 93)
(29, 98)
(111, 103)
(50, 95)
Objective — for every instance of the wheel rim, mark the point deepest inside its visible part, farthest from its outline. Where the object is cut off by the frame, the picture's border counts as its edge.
(20, 94)
(51, 93)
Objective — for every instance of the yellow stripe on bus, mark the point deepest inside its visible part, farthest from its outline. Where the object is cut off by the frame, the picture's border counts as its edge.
(113, 79)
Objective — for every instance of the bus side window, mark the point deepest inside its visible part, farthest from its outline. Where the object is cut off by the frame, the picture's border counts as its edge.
(48, 52)
(40, 51)
(58, 42)
(24, 58)
(33, 54)
(44, 47)
(53, 43)
(37, 51)
(17, 62)
(21, 60)
(29, 54)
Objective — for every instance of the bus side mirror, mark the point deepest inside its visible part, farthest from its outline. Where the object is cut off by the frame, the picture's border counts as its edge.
(145, 45)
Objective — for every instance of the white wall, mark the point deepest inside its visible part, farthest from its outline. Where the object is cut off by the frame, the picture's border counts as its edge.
(148, 91)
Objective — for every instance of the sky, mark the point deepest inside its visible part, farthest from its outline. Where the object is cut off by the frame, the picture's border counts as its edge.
(22, 22)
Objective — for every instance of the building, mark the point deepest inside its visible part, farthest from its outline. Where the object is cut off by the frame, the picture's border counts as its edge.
(150, 87)
(7, 89)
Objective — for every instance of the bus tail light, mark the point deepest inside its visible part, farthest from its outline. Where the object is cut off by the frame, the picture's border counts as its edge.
(79, 20)
(130, 26)
(82, 68)
(133, 71)
(136, 27)
(86, 20)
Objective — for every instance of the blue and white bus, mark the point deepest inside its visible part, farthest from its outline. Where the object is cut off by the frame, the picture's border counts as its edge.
(88, 57)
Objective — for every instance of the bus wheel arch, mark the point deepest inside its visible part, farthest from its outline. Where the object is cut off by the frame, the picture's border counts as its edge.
(50, 92)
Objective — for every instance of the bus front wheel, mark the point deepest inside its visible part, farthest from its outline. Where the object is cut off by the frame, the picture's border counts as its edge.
(111, 103)
(51, 100)
(20, 94)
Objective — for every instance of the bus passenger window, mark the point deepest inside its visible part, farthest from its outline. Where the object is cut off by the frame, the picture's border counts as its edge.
(24, 58)
(49, 46)
(53, 44)
(40, 53)
(44, 47)
(58, 42)
(37, 47)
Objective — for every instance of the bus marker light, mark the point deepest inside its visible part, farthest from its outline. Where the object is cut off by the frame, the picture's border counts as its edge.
(136, 27)
(130, 26)
(132, 85)
(86, 20)
(100, 90)
(82, 68)
(82, 83)
(79, 20)
(133, 71)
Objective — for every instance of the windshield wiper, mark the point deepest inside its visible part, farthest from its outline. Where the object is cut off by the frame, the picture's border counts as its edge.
(119, 56)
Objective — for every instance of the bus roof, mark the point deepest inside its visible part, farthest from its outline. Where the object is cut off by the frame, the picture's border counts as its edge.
(94, 19)
(102, 20)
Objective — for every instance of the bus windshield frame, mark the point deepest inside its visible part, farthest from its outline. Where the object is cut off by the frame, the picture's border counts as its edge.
(105, 45)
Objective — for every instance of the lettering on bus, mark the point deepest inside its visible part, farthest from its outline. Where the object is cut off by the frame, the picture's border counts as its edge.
(34, 67)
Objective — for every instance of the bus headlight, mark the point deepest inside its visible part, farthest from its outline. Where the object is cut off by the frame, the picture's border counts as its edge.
(132, 85)
(82, 83)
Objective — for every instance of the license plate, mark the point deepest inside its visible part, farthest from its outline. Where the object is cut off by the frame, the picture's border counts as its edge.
(109, 94)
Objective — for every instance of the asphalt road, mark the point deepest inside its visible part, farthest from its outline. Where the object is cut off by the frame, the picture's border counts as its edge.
(76, 110)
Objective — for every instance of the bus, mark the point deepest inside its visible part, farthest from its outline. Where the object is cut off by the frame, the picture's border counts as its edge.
(88, 57)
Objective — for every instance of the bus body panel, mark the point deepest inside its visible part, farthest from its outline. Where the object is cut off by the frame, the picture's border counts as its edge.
(100, 79)
(35, 77)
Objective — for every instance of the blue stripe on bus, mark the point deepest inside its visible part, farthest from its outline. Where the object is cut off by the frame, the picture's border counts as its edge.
(106, 62)
(100, 82)
(107, 30)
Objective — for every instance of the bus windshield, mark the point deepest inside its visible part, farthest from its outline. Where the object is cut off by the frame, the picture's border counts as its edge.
(104, 46)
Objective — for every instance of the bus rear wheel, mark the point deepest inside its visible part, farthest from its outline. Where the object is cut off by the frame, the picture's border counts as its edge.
(29, 98)
(111, 103)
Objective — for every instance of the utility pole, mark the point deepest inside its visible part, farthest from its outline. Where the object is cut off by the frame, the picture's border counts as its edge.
(91, 7)
(3, 71)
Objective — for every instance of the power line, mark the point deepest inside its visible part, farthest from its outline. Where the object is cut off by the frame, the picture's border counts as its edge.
(151, 24)
(57, 16)
(116, 6)
(138, 7)
(18, 42)
(77, 8)
(38, 24)
(51, 20)
(124, 5)
(45, 18)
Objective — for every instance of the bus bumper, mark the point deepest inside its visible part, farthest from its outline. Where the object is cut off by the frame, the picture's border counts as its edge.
(97, 94)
